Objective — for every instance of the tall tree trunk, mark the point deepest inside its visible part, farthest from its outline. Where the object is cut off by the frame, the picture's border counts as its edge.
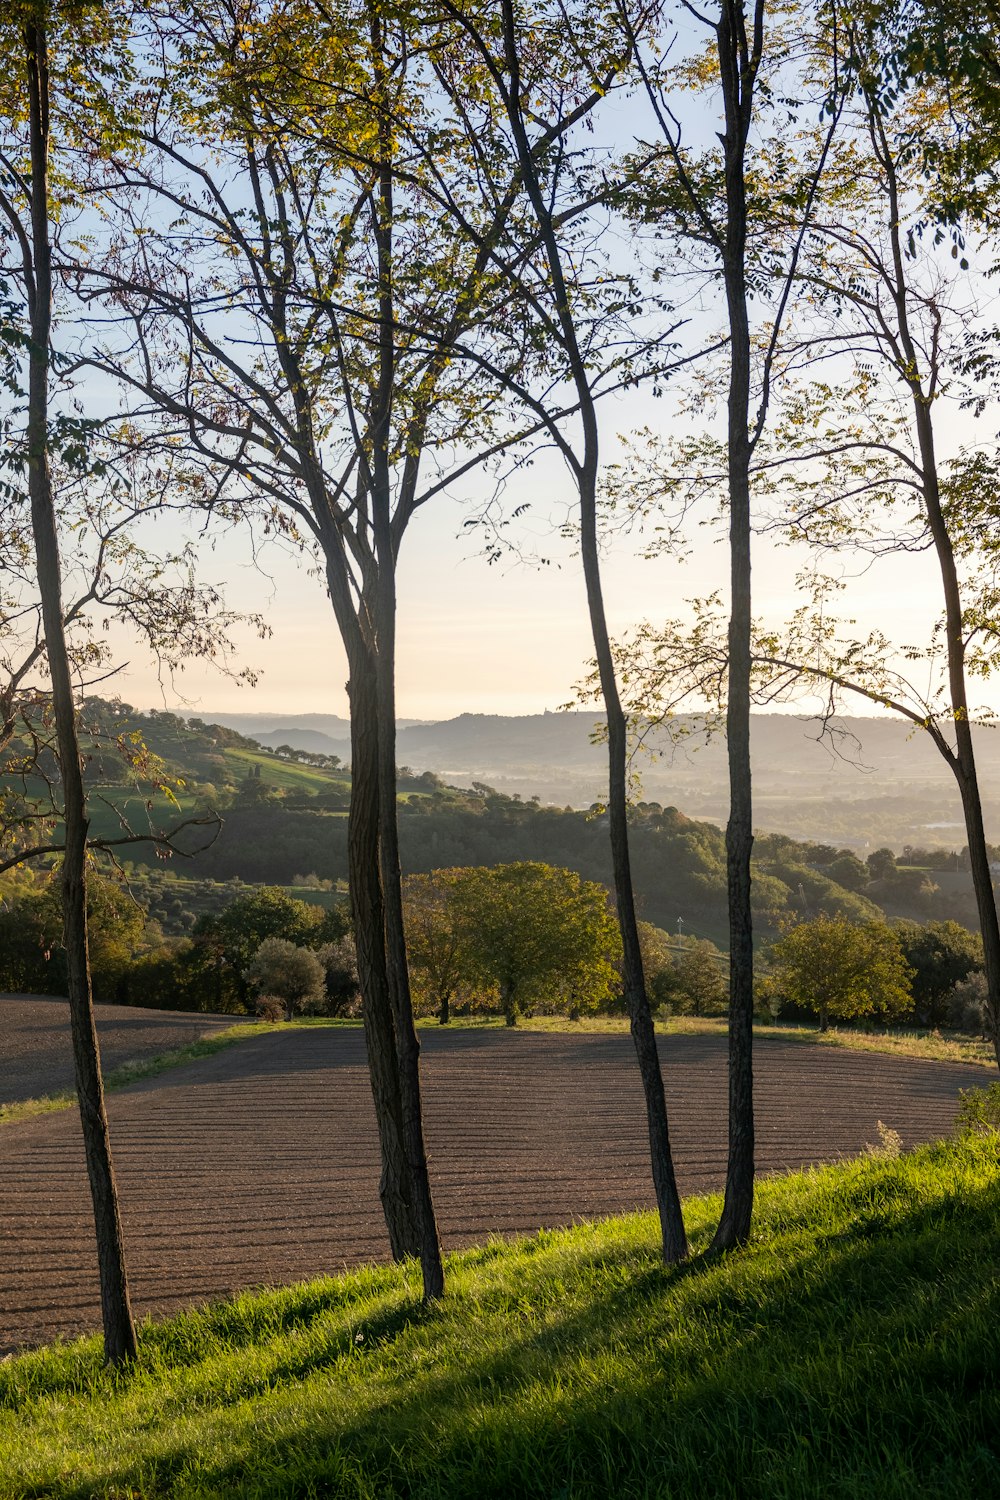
(365, 885)
(963, 763)
(119, 1328)
(384, 605)
(407, 1046)
(734, 1225)
(673, 1237)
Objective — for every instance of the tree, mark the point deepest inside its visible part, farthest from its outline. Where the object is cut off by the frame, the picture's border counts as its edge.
(293, 975)
(432, 936)
(27, 46)
(701, 979)
(235, 935)
(340, 968)
(752, 216)
(881, 864)
(547, 74)
(941, 955)
(535, 932)
(304, 350)
(841, 971)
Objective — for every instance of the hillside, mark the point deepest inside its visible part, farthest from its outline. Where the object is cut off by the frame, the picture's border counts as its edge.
(284, 823)
(876, 783)
(849, 1351)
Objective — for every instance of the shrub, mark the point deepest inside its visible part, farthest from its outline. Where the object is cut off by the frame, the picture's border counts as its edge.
(979, 1110)
(293, 975)
(967, 1005)
(269, 1008)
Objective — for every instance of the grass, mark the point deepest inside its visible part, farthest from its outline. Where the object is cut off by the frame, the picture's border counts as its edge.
(926, 1045)
(850, 1352)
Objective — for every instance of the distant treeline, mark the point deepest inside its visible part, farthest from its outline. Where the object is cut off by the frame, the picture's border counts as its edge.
(678, 863)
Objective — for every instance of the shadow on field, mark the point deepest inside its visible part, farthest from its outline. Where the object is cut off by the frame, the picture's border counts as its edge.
(856, 1361)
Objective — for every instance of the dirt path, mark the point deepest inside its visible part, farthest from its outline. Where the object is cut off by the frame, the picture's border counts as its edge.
(36, 1055)
(259, 1165)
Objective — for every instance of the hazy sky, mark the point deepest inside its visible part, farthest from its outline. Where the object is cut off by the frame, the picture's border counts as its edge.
(509, 638)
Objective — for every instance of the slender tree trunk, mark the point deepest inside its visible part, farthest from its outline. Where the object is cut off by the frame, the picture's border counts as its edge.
(369, 937)
(119, 1328)
(384, 602)
(734, 1225)
(963, 760)
(963, 763)
(444, 1014)
(407, 1045)
(508, 1002)
(673, 1237)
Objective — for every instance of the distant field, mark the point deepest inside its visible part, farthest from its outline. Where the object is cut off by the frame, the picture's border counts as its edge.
(284, 774)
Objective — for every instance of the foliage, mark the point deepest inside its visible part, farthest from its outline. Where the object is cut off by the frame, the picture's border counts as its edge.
(286, 972)
(234, 937)
(941, 956)
(341, 986)
(31, 936)
(433, 938)
(979, 1110)
(838, 970)
(536, 933)
(701, 976)
(968, 1008)
(854, 1339)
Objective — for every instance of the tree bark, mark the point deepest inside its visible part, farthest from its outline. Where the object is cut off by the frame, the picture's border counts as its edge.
(384, 602)
(407, 1045)
(369, 936)
(119, 1328)
(734, 1225)
(963, 764)
(963, 760)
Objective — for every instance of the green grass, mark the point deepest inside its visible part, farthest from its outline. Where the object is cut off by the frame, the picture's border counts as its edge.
(849, 1353)
(285, 774)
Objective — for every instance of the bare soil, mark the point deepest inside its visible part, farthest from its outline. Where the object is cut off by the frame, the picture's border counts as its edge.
(36, 1056)
(259, 1165)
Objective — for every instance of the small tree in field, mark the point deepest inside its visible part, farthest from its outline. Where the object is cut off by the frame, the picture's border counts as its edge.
(433, 942)
(536, 931)
(295, 976)
(702, 981)
(840, 970)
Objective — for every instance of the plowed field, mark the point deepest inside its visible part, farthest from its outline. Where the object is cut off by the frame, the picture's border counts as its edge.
(259, 1165)
(35, 1048)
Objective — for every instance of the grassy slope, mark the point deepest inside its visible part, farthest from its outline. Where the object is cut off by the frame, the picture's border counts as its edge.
(850, 1352)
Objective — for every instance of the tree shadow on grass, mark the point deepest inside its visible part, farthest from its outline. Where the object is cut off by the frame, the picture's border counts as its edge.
(858, 1364)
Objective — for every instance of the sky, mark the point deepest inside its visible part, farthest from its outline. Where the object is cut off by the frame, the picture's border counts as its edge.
(511, 638)
(507, 638)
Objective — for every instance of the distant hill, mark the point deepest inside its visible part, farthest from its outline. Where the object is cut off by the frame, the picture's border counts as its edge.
(875, 782)
(284, 820)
